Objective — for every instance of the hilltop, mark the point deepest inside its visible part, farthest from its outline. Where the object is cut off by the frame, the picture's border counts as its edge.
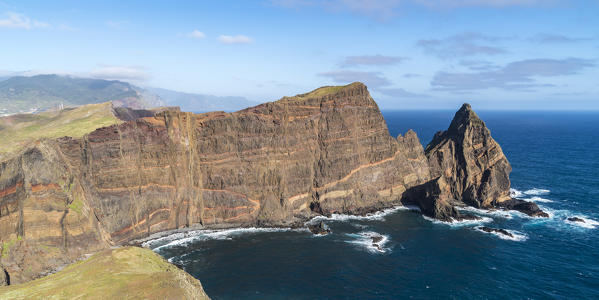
(18, 130)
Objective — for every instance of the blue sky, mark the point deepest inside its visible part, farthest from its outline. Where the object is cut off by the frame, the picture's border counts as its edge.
(412, 54)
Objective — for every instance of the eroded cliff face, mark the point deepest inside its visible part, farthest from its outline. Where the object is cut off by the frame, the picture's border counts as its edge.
(279, 163)
(470, 161)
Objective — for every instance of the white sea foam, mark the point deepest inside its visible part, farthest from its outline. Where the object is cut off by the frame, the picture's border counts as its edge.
(559, 217)
(514, 193)
(359, 226)
(536, 192)
(459, 223)
(539, 199)
(184, 238)
(379, 215)
(516, 235)
(486, 212)
(364, 240)
(588, 223)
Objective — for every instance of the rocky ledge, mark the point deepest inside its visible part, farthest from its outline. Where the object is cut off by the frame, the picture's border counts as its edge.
(275, 164)
(319, 229)
(575, 219)
(496, 230)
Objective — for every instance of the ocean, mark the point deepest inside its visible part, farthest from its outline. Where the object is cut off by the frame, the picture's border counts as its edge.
(555, 161)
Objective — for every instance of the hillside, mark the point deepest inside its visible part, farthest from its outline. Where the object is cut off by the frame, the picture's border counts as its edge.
(124, 273)
(43, 92)
(18, 130)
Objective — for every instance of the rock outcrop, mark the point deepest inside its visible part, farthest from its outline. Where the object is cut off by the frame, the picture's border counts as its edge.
(278, 163)
(468, 168)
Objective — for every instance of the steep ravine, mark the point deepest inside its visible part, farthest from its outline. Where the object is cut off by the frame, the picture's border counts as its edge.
(275, 164)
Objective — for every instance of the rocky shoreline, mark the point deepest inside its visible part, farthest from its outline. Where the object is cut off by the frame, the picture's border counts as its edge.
(278, 164)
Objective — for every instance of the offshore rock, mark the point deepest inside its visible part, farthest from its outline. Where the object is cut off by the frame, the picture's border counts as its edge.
(527, 207)
(320, 229)
(576, 219)
(496, 230)
(471, 162)
(468, 168)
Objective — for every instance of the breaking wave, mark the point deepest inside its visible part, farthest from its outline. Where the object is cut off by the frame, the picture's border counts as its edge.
(516, 235)
(185, 238)
(506, 214)
(514, 193)
(559, 218)
(588, 223)
(456, 223)
(379, 215)
(536, 192)
(539, 199)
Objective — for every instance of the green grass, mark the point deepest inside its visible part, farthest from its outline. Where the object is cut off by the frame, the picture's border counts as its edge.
(18, 130)
(123, 273)
(7, 245)
(319, 92)
(322, 91)
(76, 205)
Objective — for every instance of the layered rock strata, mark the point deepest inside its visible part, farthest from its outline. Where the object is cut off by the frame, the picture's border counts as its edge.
(279, 163)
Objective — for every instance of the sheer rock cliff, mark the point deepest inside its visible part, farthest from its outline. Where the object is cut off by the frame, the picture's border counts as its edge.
(275, 164)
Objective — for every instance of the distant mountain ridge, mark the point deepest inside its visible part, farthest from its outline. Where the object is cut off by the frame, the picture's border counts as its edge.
(43, 92)
(26, 94)
(202, 102)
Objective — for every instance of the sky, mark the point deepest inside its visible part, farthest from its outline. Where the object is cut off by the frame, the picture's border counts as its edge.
(412, 54)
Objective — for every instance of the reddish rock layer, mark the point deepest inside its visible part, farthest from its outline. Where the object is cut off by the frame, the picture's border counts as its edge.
(278, 163)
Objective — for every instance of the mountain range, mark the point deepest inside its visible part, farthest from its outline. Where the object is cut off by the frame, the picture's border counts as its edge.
(25, 94)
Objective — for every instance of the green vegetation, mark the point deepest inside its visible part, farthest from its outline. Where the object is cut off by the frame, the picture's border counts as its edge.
(323, 91)
(76, 205)
(123, 273)
(21, 94)
(319, 92)
(18, 130)
(7, 245)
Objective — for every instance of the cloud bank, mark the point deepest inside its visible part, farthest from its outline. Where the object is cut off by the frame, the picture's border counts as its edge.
(16, 20)
(518, 75)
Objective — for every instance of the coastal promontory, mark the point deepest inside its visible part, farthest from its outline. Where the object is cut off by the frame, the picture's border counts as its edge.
(276, 164)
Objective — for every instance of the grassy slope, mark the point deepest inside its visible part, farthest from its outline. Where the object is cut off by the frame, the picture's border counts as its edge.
(18, 130)
(47, 91)
(124, 273)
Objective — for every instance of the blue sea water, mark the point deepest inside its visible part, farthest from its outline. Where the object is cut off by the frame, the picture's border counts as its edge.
(555, 160)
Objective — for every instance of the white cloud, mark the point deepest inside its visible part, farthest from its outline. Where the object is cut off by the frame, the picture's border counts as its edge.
(237, 39)
(464, 44)
(16, 20)
(135, 74)
(518, 75)
(196, 34)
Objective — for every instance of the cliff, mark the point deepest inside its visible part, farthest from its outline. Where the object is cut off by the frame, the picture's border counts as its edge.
(124, 273)
(277, 164)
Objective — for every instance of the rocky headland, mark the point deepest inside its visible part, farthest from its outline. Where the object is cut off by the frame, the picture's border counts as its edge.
(275, 164)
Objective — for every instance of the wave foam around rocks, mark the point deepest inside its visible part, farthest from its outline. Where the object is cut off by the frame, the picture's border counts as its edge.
(516, 235)
(364, 239)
